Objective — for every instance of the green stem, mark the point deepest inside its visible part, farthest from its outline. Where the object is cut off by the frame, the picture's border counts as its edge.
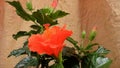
(82, 43)
(73, 42)
(36, 23)
(42, 29)
(89, 42)
(60, 60)
(60, 57)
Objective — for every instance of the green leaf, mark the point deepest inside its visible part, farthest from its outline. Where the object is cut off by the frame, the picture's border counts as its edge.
(46, 11)
(58, 14)
(32, 32)
(24, 33)
(89, 46)
(26, 62)
(36, 27)
(20, 34)
(20, 11)
(103, 62)
(102, 51)
(42, 18)
(20, 51)
(17, 52)
(96, 59)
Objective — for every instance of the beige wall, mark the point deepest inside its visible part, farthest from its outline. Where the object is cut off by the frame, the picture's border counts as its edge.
(84, 14)
(106, 16)
(1, 16)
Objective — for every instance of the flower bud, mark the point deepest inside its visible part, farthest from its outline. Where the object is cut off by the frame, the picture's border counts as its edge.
(92, 34)
(54, 3)
(29, 5)
(83, 34)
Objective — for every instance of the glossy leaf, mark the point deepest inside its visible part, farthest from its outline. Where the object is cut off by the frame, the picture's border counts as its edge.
(20, 34)
(102, 51)
(26, 62)
(46, 11)
(96, 59)
(17, 52)
(36, 27)
(58, 14)
(42, 18)
(33, 32)
(102, 62)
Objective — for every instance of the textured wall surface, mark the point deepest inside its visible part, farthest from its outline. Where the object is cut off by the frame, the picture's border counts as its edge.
(84, 14)
(1, 16)
(106, 16)
(115, 21)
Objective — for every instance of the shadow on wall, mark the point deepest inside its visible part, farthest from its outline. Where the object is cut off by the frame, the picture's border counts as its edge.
(99, 13)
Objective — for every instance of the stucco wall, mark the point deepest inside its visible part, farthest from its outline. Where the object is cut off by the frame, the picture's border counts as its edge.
(1, 16)
(84, 14)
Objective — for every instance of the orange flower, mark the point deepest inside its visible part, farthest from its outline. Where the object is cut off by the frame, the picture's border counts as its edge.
(50, 42)
(54, 3)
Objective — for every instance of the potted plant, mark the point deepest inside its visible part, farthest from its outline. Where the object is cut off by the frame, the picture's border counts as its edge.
(45, 46)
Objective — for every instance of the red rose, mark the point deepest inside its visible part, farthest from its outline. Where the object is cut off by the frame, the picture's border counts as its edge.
(50, 42)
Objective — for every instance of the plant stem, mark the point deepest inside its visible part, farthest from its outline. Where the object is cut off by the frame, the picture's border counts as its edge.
(42, 29)
(82, 44)
(60, 60)
(73, 42)
(60, 57)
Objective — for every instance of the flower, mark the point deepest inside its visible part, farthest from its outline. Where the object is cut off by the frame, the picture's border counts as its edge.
(50, 42)
(54, 3)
